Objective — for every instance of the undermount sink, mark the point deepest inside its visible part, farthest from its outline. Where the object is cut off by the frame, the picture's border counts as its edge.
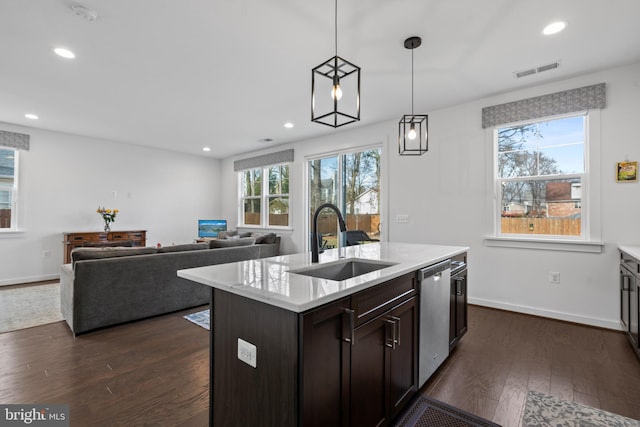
(343, 270)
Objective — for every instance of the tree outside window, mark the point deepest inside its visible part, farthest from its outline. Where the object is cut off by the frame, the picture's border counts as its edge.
(352, 182)
(540, 168)
(272, 192)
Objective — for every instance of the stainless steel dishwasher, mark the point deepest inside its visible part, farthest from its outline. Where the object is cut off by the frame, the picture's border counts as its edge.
(435, 290)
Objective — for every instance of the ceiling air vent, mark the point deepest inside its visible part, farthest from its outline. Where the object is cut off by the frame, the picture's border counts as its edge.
(520, 74)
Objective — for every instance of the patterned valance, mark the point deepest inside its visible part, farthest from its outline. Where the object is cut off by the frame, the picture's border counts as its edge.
(277, 158)
(568, 101)
(18, 141)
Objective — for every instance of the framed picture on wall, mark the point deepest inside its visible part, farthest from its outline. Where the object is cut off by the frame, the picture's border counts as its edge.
(627, 172)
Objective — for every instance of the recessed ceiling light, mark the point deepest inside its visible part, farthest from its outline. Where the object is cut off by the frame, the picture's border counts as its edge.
(65, 53)
(31, 116)
(288, 125)
(554, 27)
(206, 149)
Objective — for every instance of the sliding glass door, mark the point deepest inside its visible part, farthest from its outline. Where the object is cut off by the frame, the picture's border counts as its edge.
(351, 181)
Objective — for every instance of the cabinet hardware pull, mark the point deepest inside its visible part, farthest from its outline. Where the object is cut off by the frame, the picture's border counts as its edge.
(625, 279)
(351, 339)
(396, 334)
(391, 345)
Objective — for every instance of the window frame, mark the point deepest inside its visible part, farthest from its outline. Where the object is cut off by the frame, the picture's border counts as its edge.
(590, 238)
(15, 188)
(264, 198)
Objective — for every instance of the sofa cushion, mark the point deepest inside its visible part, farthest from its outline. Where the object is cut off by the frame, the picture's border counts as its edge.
(184, 247)
(227, 243)
(81, 254)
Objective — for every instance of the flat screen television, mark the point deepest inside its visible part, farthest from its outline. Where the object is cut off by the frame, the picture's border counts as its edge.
(211, 227)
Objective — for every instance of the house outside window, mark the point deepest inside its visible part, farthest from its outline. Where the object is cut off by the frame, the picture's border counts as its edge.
(540, 177)
(258, 193)
(8, 188)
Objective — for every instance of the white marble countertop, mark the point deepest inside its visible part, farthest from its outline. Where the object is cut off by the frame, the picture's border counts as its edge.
(268, 279)
(634, 251)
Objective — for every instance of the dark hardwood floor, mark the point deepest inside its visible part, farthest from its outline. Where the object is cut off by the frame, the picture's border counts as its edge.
(505, 354)
(155, 371)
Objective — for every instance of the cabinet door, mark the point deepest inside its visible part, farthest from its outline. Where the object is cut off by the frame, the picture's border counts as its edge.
(326, 336)
(625, 287)
(458, 309)
(370, 372)
(634, 308)
(404, 362)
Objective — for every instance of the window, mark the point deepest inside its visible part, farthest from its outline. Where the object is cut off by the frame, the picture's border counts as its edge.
(272, 192)
(8, 188)
(541, 178)
(351, 181)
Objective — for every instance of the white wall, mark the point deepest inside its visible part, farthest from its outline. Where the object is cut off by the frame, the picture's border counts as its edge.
(447, 195)
(63, 179)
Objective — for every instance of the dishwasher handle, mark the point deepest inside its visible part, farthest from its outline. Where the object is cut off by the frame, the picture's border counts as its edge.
(434, 269)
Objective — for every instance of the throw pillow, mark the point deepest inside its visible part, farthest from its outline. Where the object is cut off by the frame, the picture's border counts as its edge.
(228, 243)
(269, 238)
(227, 234)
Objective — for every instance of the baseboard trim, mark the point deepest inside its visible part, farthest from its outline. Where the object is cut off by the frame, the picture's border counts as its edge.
(558, 315)
(29, 279)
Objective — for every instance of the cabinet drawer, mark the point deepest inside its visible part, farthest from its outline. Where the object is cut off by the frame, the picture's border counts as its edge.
(88, 237)
(126, 236)
(372, 302)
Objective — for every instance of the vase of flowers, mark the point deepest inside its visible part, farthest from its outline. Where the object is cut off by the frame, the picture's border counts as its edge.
(108, 216)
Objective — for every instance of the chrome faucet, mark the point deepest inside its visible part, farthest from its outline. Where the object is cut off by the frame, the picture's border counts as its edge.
(316, 241)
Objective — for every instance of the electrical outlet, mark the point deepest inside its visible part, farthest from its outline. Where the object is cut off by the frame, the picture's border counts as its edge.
(554, 277)
(247, 352)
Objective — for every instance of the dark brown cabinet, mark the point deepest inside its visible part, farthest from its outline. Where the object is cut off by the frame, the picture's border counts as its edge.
(458, 323)
(359, 356)
(630, 298)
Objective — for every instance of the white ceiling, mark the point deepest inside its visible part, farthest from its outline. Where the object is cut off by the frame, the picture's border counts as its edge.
(184, 74)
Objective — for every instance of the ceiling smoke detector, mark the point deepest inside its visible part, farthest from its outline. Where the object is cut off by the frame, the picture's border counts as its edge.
(84, 12)
(536, 70)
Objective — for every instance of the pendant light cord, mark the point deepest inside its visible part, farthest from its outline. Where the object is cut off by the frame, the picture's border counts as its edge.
(412, 81)
(335, 25)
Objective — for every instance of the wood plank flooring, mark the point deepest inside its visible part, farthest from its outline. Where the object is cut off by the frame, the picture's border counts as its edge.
(155, 371)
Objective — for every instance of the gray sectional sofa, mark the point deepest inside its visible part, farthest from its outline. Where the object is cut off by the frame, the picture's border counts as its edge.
(108, 286)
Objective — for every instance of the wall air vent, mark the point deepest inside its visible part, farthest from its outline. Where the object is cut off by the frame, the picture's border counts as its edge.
(524, 73)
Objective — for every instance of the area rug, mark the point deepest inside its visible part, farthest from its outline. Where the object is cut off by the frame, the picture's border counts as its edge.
(427, 412)
(28, 306)
(548, 411)
(201, 318)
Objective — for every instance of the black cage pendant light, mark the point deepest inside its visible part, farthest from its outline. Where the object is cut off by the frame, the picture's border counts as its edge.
(335, 89)
(413, 136)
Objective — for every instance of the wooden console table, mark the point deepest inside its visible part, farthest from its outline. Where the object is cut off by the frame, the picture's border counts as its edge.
(87, 238)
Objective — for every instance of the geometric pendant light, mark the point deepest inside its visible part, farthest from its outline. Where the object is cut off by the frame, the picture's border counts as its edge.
(413, 137)
(335, 89)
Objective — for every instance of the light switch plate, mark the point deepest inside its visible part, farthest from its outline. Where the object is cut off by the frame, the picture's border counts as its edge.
(402, 219)
(247, 352)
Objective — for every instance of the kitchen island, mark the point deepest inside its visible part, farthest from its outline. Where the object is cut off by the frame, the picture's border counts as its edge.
(291, 349)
